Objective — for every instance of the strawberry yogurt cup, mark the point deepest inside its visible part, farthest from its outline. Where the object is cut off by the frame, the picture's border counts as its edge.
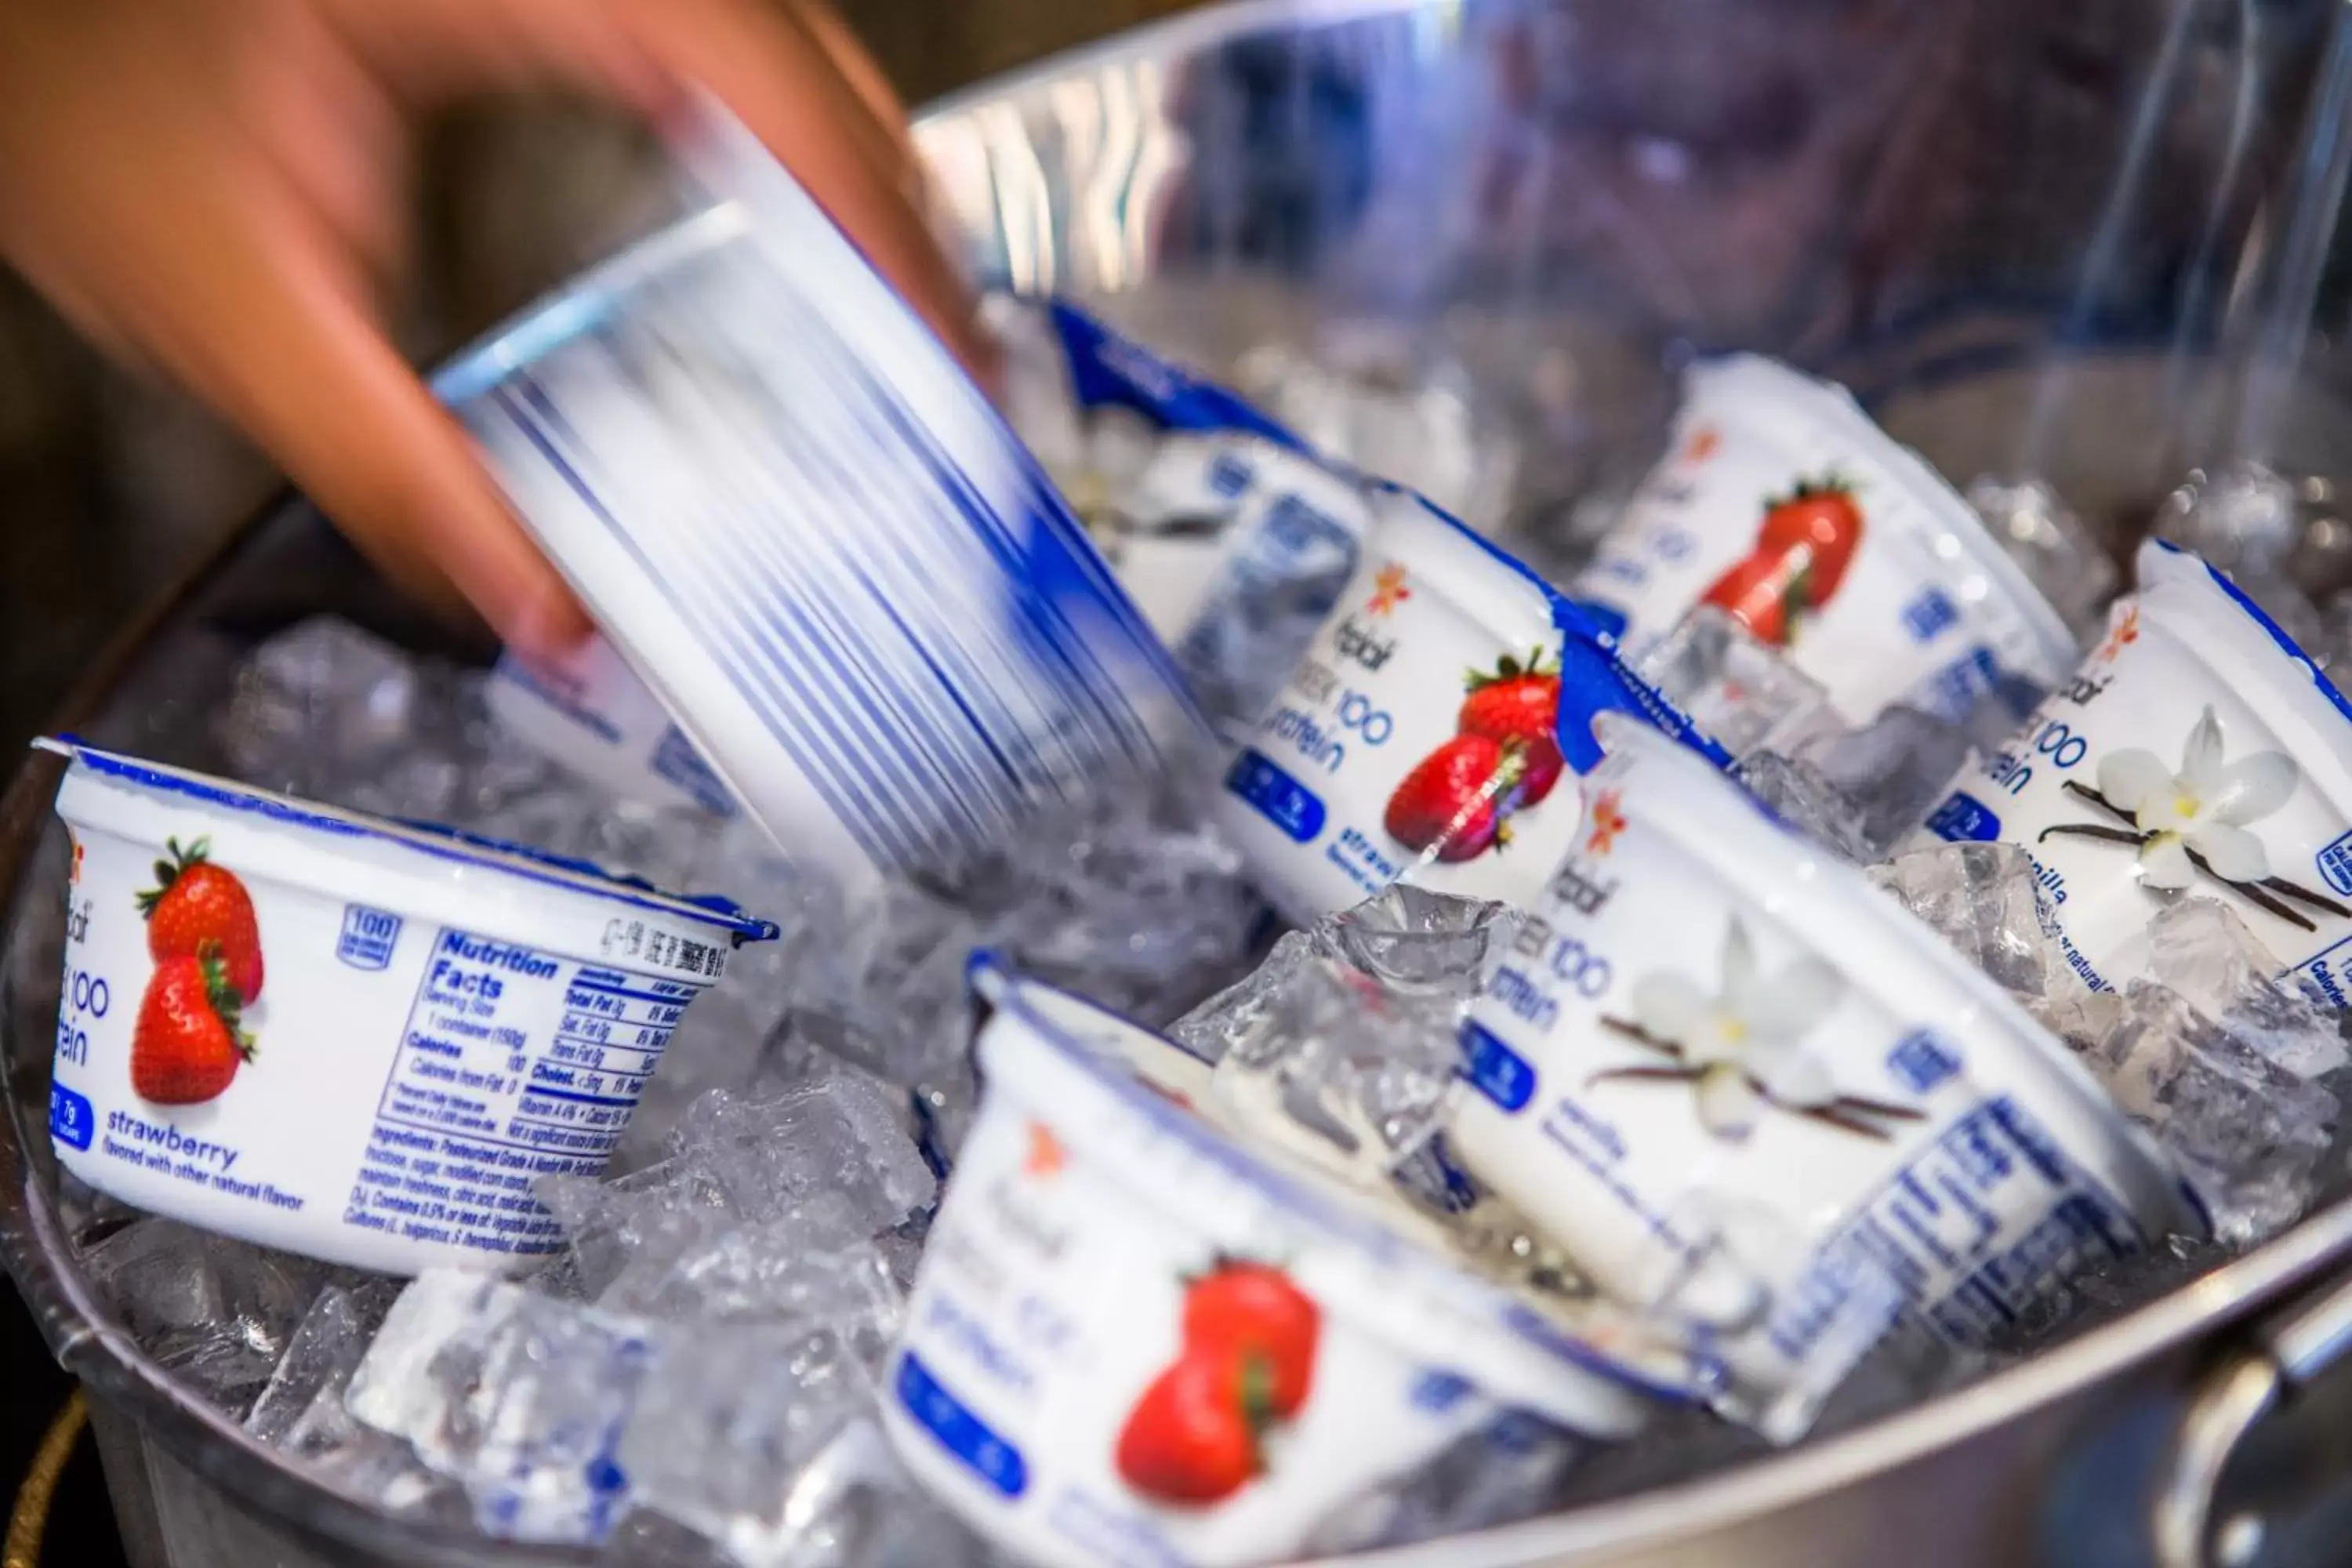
(1427, 732)
(1133, 1339)
(1744, 1090)
(348, 1037)
(1782, 503)
(2196, 750)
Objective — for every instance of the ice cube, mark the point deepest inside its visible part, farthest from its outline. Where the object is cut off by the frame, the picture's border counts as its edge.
(1139, 904)
(1394, 406)
(517, 1397)
(841, 1137)
(1348, 1064)
(790, 1271)
(318, 707)
(645, 1219)
(768, 1212)
(2239, 517)
(897, 977)
(728, 1421)
(559, 1420)
(325, 1348)
(1985, 900)
(851, 1505)
(215, 1313)
(1800, 796)
(2206, 956)
(2050, 540)
(1410, 939)
(1404, 938)
(1733, 686)
(1893, 771)
(2249, 1134)
(565, 814)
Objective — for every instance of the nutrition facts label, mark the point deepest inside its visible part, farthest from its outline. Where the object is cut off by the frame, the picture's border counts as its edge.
(1972, 1257)
(515, 1064)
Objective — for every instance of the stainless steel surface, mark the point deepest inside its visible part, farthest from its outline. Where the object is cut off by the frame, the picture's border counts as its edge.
(2282, 1358)
(2045, 239)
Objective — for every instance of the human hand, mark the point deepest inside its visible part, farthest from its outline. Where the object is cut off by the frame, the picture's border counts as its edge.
(218, 188)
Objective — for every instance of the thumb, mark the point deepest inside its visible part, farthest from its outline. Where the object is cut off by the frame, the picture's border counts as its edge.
(317, 385)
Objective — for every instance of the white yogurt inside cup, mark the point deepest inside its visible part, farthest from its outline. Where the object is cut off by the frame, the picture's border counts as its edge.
(1741, 1086)
(345, 1037)
(1132, 1340)
(2197, 751)
(1429, 732)
(1781, 502)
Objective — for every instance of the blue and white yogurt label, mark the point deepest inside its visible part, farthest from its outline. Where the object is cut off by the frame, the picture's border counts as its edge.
(2190, 753)
(1726, 1123)
(811, 534)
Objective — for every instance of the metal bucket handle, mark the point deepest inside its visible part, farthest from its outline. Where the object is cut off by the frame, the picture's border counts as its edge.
(2277, 1360)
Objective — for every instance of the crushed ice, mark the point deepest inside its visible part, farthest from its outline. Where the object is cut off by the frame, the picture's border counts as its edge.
(695, 1373)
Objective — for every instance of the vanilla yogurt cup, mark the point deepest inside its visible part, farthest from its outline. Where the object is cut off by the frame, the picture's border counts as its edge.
(1230, 535)
(1879, 580)
(590, 712)
(352, 1038)
(1389, 753)
(2196, 750)
(1742, 1087)
(1132, 1340)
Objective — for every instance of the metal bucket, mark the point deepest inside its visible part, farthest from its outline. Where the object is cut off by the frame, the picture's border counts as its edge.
(2085, 241)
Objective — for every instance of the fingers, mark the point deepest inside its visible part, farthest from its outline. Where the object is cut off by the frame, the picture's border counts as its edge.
(312, 379)
(850, 58)
(335, 134)
(889, 115)
(784, 87)
(788, 69)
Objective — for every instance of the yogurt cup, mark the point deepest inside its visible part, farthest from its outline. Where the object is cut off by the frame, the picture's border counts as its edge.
(1743, 1087)
(1233, 538)
(2198, 726)
(1235, 549)
(1080, 1284)
(348, 1037)
(590, 712)
(1411, 742)
(1878, 579)
(814, 541)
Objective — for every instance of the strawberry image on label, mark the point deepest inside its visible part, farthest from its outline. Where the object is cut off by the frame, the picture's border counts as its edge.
(1517, 706)
(186, 1047)
(1192, 1438)
(1255, 1309)
(197, 905)
(1452, 800)
(1807, 541)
